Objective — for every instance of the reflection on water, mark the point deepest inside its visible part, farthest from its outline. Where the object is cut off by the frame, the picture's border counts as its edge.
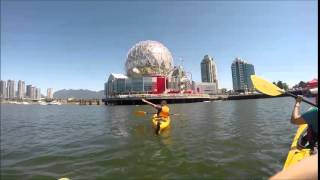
(139, 131)
(165, 136)
(221, 140)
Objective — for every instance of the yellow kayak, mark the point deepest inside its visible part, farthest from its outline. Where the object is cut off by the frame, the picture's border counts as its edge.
(164, 122)
(296, 152)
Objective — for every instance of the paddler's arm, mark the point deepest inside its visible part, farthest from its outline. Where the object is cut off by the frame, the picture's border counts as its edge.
(296, 116)
(305, 169)
(150, 103)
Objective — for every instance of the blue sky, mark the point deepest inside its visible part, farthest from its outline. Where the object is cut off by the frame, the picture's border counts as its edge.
(77, 44)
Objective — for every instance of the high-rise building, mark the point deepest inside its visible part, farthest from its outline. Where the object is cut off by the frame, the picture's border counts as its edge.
(3, 89)
(49, 93)
(209, 70)
(21, 89)
(38, 93)
(28, 93)
(11, 89)
(241, 72)
(33, 92)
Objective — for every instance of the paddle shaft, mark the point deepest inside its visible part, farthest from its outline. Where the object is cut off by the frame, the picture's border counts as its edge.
(306, 101)
(156, 113)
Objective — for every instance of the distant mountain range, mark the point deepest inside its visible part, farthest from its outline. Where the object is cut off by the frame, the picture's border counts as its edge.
(79, 94)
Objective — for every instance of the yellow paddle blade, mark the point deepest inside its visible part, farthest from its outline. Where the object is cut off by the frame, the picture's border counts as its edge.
(265, 87)
(140, 113)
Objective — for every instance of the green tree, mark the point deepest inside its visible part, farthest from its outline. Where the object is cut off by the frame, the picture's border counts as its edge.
(302, 84)
(279, 84)
(285, 86)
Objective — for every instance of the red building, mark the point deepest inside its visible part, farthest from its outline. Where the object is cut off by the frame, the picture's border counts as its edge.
(158, 84)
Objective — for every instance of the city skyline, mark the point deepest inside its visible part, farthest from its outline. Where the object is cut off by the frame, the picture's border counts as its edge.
(77, 51)
(11, 90)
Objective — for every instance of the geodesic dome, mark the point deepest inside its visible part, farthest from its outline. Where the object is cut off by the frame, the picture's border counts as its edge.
(147, 58)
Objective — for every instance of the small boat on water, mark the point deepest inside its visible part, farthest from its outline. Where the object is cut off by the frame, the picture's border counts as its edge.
(54, 103)
(43, 103)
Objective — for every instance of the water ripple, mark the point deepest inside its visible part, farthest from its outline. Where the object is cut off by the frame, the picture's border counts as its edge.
(245, 139)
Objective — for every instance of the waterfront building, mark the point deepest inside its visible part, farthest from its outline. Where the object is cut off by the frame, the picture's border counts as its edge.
(134, 84)
(11, 89)
(32, 92)
(209, 70)
(21, 89)
(116, 84)
(241, 72)
(148, 83)
(37, 93)
(179, 80)
(122, 84)
(50, 93)
(204, 88)
(28, 93)
(148, 71)
(3, 89)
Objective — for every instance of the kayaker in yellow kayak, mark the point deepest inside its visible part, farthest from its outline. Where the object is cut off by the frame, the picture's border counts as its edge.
(310, 117)
(163, 111)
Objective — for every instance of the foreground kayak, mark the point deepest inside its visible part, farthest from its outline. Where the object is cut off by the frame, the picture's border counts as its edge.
(297, 152)
(164, 122)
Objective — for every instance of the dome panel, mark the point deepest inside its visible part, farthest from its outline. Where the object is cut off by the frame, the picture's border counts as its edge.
(147, 58)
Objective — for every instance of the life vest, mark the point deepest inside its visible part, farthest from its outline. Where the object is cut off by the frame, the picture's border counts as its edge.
(164, 111)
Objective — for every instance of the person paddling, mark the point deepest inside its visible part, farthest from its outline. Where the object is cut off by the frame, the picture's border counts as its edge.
(163, 112)
(310, 117)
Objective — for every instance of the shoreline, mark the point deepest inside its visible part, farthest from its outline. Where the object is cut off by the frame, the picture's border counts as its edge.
(136, 99)
(183, 99)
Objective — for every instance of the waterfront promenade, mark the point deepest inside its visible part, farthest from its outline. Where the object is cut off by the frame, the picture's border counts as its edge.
(135, 99)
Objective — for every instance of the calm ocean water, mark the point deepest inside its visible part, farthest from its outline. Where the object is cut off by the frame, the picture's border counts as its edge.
(244, 139)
